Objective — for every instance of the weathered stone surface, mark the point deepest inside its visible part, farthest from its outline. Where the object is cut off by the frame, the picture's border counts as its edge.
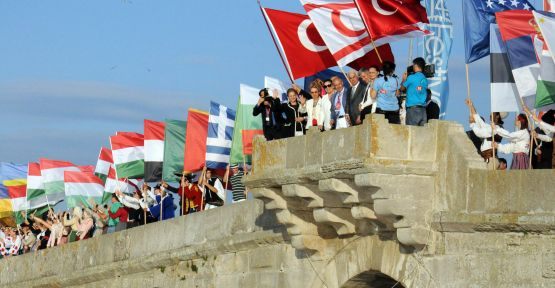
(375, 205)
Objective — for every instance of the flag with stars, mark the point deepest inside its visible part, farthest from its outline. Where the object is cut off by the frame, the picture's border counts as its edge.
(477, 17)
(220, 132)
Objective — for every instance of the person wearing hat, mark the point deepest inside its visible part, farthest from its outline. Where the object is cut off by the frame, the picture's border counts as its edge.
(485, 132)
(192, 192)
(237, 186)
(164, 208)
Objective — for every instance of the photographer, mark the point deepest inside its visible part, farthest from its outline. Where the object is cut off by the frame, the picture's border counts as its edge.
(270, 124)
(416, 85)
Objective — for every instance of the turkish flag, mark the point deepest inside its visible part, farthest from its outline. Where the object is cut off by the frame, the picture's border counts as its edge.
(395, 18)
(305, 51)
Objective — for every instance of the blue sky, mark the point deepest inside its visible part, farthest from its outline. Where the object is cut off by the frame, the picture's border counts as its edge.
(75, 72)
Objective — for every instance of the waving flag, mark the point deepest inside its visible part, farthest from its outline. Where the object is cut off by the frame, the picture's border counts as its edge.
(341, 27)
(128, 154)
(303, 49)
(477, 16)
(391, 20)
(438, 49)
(545, 94)
(195, 140)
(80, 186)
(103, 163)
(504, 94)
(174, 149)
(220, 133)
(112, 184)
(13, 185)
(519, 37)
(154, 150)
(35, 187)
(273, 83)
(246, 125)
(52, 172)
(549, 5)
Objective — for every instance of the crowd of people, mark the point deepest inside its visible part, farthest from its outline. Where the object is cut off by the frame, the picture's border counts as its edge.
(331, 104)
(153, 203)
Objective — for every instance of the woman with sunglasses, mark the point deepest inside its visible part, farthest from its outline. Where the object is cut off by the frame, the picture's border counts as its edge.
(318, 110)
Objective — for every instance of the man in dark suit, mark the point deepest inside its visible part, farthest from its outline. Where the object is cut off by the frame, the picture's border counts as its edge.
(270, 120)
(339, 104)
(355, 96)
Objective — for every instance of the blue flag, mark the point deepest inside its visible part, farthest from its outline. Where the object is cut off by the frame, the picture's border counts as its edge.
(477, 16)
(323, 75)
(438, 49)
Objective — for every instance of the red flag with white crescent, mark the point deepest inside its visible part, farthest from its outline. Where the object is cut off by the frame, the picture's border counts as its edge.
(393, 19)
(305, 51)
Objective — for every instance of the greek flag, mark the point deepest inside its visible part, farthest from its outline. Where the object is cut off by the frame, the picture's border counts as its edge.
(220, 133)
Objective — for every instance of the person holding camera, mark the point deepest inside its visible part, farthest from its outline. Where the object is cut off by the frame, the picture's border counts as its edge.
(265, 106)
(415, 85)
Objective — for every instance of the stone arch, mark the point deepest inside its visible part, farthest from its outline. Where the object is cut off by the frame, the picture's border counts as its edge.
(372, 279)
(372, 261)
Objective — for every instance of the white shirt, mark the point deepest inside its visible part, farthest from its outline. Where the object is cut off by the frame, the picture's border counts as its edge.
(367, 100)
(482, 131)
(321, 111)
(519, 141)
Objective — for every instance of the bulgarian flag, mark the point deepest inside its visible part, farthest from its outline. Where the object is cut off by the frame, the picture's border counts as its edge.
(545, 95)
(195, 140)
(52, 172)
(246, 125)
(128, 154)
(103, 163)
(35, 187)
(174, 149)
(112, 184)
(13, 186)
(80, 186)
(154, 150)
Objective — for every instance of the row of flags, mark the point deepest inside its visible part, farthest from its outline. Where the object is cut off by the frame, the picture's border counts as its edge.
(520, 42)
(215, 139)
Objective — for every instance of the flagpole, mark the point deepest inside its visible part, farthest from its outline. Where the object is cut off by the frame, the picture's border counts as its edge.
(494, 160)
(368, 31)
(410, 52)
(182, 194)
(275, 42)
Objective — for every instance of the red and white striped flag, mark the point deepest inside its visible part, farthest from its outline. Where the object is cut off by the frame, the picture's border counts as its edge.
(52, 172)
(80, 186)
(154, 150)
(128, 154)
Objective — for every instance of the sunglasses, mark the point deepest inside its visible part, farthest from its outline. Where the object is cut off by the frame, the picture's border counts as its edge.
(327, 86)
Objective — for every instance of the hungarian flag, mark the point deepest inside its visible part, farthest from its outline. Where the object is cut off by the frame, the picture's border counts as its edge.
(342, 29)
(128, 154)
(103, 163)
(13, 186)
(154, 150)
(520, 37)
(35, 187)
(391, 20)
(112, 184)
(246, 125)
(80, 186)
(52, 172)
(195, 140)
(545, 94)
(174, 149)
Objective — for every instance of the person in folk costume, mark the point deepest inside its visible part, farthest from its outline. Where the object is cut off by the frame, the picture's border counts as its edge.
(164, 207)
(9, 246)
(544, 153)
(188, 189)
(484, 132)
(214, 192)
(519, 143)
(118, 216)
(292, 123)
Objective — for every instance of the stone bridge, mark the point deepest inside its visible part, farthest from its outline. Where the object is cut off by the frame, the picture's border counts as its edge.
(375, 205)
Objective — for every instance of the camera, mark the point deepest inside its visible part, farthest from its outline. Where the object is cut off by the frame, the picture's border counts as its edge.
(429, 70)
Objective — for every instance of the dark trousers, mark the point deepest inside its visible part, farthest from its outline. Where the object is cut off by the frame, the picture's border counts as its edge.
(391, 116)
(416, 116)
(367, 110)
